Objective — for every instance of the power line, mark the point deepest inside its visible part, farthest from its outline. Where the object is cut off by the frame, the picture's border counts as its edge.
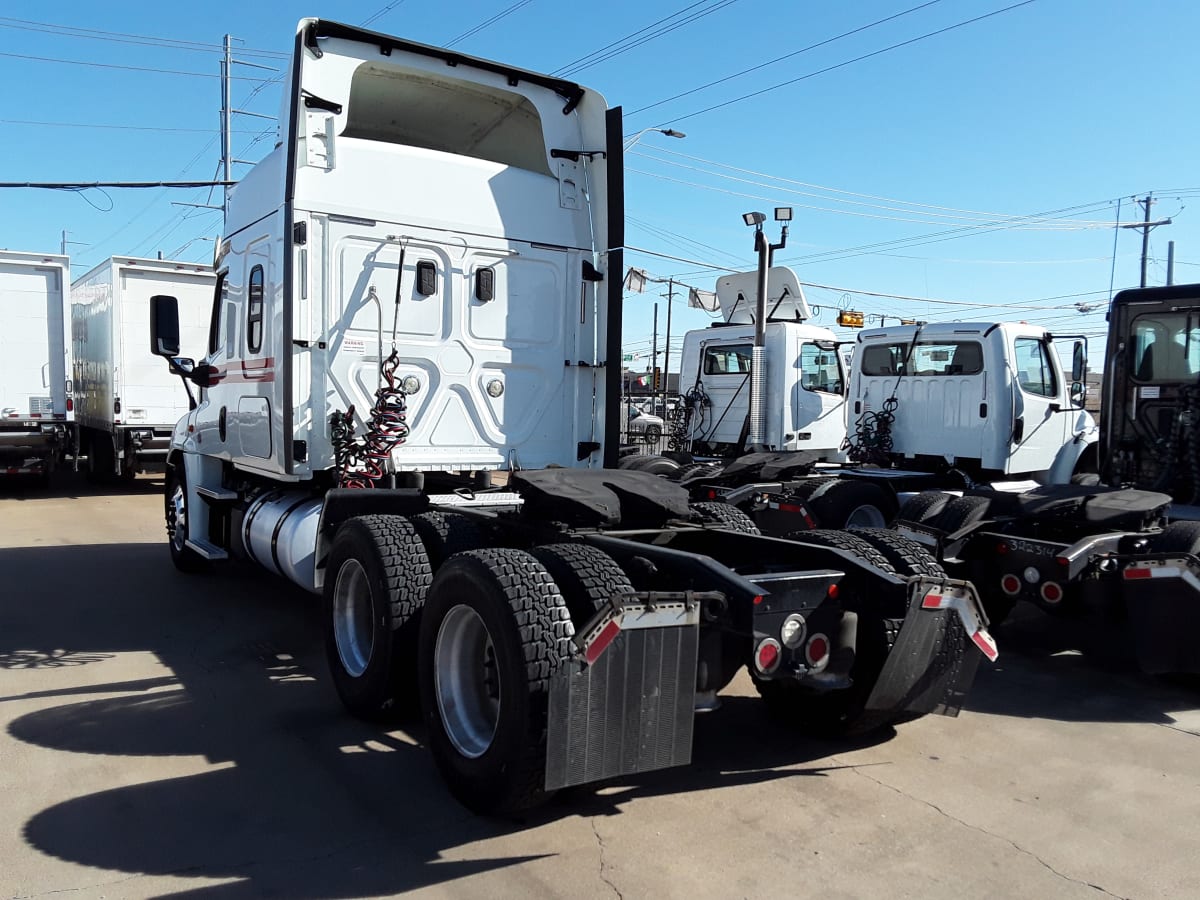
(842, 65)
(126, 38)
(110, 125)
(504, 13)
(92, 65)
(639, 37)
(85, 185)
(779, 59)
(381, 13)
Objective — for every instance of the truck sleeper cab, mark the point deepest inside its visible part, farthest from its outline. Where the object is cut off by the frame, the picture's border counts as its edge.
(421, 286)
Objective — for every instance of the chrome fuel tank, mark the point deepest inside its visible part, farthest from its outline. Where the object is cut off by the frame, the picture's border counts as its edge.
(279, 532)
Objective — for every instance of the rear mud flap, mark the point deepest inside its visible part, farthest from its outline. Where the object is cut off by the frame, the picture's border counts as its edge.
(627, 704)
(932, 664)
(1162, 598)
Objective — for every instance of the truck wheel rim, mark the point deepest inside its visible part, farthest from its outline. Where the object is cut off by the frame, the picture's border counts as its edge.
(866, 516)
(353, 622)
(178, 518)
(467, 681)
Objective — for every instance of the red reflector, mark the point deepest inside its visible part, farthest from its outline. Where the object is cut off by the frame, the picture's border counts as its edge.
(1010, 584)
(790, 507)
(1138, 573)
(1002, 548)
(1051, 592)
(712, 495)
(932, 601)
(1062, 561)
(70, 404)
(758, 600)
(768, 655)
(831, 592)
(607, 635)
(35, 415)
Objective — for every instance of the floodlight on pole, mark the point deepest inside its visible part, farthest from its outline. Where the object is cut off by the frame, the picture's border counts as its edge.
(754, 219)
(783, 214)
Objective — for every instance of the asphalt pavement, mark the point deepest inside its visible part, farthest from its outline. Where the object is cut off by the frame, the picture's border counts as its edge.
(165, 734)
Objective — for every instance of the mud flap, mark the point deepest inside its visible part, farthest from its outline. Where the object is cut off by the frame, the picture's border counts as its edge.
(1162, 598)
(626, 702)
(932, 664)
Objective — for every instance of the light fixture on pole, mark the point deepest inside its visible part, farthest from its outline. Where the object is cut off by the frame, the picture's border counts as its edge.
(669, 132)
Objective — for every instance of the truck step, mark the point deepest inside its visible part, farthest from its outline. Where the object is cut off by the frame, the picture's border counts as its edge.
(217, 495)
(207, 550)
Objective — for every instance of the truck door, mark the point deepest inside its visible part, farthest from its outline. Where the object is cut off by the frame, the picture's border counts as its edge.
(818, 399)
(725, 376)
(1039, 426)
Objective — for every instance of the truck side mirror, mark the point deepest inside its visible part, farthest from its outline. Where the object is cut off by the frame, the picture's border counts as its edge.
(164, 326)
(1078, 393)
(1078, 363)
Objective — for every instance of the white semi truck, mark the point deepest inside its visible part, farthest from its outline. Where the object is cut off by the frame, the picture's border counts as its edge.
(36, 401)
(420, 287)
(127, 405)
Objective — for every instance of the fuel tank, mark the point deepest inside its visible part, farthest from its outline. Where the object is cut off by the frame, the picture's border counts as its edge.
(279, 532)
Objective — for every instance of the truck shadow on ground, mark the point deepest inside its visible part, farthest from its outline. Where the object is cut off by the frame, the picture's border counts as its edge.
(70, 485)
(304, 801)
(1075, 669)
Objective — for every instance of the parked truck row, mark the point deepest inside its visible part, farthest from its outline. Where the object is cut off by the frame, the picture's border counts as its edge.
(77, 385)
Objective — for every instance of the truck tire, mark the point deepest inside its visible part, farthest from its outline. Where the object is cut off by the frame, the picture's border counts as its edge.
(494, 632)
(725, 516)
(698, 471)
(847, 503)
(843, 540)
(905, 555)
(586, 576)
(375, 585)
(960, 513)
(175, 504)
(445, 534)
(655, 465)
(1087, 479)
(1178, 537)
(924, 506)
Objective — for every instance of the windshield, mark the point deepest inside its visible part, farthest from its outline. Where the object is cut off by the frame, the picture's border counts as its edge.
(1166, 346)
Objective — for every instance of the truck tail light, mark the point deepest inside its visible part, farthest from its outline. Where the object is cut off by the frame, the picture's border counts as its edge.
(767, 655)
(817, 651)
(1010, 584)
(70, 404)
(1051, 592)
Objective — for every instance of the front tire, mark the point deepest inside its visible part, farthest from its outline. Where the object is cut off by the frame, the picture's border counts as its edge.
(178, 522)
(375, 585)
(495, 631)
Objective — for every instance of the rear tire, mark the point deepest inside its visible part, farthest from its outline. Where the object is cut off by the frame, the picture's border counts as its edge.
(905, 555)
(375, 586)
(843, 540)
(725, 516)
(655, 465)
(960, 513)
(586, 576)
(924, 506)
(445, 534)
(847, 503)
(494, 632)
(176, 510)
(1178, 537)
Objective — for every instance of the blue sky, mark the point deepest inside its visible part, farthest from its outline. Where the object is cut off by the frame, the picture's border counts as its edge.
(980, 166)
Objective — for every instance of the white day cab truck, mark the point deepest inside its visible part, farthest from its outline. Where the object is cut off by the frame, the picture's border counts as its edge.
(127, 404)
(36, 401)
(977, 445)
(418, 288)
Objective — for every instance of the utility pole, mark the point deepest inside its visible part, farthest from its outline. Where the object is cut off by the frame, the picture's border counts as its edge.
(1145, 227)
(1170, 263)
(654, 358)
(63, 245)
(226, 119)
(667, 351)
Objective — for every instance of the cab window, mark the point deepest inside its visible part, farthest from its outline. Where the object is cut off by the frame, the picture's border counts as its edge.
(1034, 371)
(731, 359)
(254, 311)
(819, 369)
(214, 325)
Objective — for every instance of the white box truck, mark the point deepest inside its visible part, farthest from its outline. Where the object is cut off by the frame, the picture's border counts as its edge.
(35, 400)
(127, 404)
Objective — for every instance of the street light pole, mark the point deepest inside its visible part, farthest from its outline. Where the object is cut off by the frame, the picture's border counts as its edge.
(669, 132)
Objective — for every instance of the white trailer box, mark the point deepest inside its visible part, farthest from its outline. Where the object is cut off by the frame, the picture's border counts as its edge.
(35, 403)
(128, 403)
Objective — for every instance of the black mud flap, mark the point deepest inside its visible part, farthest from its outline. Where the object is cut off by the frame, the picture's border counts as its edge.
(932, 664)
(626, 703)
(1162, 598)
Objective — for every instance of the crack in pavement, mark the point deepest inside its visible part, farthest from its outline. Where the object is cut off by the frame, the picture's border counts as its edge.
(600, 843)
(981, 830)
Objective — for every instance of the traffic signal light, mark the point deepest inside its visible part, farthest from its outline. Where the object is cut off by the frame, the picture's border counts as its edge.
(849, 318)
(658, 378)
